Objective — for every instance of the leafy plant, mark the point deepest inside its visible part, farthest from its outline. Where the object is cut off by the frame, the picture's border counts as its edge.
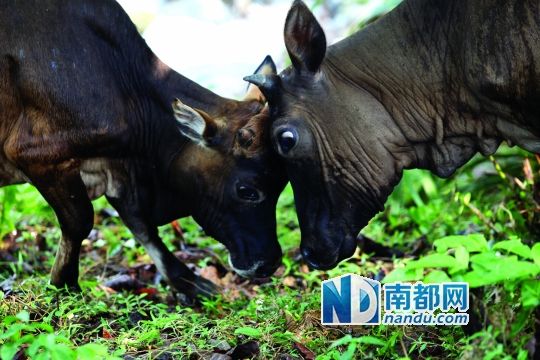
(471, 259)
(38, 341)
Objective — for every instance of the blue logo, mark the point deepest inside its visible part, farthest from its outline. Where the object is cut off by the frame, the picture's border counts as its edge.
(351, 300)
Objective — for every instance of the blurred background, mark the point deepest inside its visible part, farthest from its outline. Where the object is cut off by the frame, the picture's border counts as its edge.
(218, 42)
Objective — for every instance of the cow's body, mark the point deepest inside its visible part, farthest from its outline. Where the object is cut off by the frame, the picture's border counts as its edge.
(427, 86)
(85, 111)
(459, 77)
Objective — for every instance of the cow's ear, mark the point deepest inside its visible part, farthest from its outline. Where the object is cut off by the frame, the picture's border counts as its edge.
(267, 67)
(304, 38)
(195, 124)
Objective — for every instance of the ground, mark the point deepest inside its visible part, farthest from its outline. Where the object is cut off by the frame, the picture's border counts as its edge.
(125, 311)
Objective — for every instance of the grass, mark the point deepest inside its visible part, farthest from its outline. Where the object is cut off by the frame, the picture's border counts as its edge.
(282, 316)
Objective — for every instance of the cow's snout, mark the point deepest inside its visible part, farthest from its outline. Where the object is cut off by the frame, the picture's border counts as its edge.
(321, 253)
(319, 261)
(255, 269)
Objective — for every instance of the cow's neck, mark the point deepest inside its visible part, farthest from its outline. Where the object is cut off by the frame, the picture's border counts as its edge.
(408, 62)
(165, 86)
(171, 85)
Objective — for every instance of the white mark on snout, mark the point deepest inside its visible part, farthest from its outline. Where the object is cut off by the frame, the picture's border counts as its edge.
(248, 273)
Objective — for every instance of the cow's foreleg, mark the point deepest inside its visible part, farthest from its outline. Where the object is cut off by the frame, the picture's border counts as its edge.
(177, 274)
(62, 187)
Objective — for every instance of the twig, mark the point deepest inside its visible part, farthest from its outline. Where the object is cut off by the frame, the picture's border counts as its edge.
(482, 217)
(403, 347)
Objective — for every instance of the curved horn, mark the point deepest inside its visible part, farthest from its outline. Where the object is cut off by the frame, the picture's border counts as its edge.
(268, 84)
(267, 67)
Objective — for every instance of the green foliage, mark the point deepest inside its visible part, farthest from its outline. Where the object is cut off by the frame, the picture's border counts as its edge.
(469, 258)
(492, 253)
(38, 341)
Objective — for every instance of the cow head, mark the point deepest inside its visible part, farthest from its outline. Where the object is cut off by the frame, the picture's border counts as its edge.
(233, 179)
(335, 139)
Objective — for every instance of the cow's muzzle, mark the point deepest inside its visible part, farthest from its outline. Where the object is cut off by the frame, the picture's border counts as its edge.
(257, 270)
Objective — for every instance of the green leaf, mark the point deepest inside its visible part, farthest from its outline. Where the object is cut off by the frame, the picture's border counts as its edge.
(344, 340)
(403, 274)
(24, 316)
(462, 259)
(62, 352)
(515, 247)
(520, 321)
(8, 320)
(504, 269)
(530, 293)
(8, 351)
(478, 278)
(436, 276)
(429, 186)
(472, 242)
(349, 354)
(370, 340)
(248, 331)
(485, 260)
(14, 331)
(92, 351)
(535, 253)
(432, 261)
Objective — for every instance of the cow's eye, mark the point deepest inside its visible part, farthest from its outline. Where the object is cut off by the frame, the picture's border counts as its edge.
(247, 193)
(287, 139)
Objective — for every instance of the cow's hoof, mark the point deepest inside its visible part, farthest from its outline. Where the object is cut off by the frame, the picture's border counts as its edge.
(192, 291)
(206, 288)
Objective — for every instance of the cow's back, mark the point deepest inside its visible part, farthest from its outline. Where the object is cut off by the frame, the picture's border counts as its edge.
(68, 67)
(500, 57)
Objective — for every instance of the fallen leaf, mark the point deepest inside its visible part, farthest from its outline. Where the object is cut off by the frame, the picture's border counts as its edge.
(289, 281)
(280, 271)
(528, 171)
(217, 356)
(306, 353)
(151, 292)
(106, 334)
(247, 350)
(211, 273)
(219, 345)
(123, 282)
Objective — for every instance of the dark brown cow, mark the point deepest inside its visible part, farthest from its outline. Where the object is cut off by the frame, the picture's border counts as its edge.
(427, 86)
(85, 111)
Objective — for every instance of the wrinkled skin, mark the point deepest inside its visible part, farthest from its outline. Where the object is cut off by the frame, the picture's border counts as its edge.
(427, 86)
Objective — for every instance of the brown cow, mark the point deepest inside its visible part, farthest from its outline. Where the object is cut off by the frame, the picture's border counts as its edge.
(85, 111)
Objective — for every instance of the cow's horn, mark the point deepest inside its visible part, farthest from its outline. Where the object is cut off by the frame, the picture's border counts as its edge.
(268, 84)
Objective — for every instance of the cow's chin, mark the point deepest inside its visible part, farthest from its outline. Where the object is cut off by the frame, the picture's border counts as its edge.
(326, 240)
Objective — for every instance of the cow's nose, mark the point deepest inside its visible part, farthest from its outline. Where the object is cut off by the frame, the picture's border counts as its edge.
(259, 269)
(314, 259)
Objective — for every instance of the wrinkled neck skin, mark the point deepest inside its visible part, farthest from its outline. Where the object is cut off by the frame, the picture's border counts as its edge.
(454, 78)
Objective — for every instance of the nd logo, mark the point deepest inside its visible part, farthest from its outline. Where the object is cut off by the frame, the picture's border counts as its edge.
(351, 300)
